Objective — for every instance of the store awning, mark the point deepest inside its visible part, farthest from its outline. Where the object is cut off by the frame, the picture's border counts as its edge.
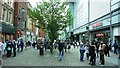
(7, 28)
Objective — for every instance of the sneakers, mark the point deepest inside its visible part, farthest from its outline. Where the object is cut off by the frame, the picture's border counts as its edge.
(102, 65)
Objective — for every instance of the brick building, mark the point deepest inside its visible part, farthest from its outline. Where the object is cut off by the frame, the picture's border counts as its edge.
(41, 33)
(20, 18)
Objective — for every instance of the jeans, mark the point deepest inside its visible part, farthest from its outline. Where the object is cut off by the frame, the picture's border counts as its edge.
(81, 55)
(60, 55)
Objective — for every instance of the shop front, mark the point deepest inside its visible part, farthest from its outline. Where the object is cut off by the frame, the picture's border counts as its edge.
(102, 35)
(7, 31)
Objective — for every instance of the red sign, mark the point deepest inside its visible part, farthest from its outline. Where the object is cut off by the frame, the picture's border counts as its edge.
(99, 34)
(97, 24)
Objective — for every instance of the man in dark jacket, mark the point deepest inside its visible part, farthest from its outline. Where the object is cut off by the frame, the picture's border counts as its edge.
(21, 44)
(60, 47)
(14, 48)
(92, 53)
(115, 47)
(9, 49)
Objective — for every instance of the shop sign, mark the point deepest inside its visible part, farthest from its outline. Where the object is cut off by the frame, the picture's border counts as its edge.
(97, 25)
(99, 35)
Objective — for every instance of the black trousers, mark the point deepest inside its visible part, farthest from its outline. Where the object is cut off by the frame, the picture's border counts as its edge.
(87, 56)
(93, 59)
(9, 53)
(21, 48)
(115, 51)
(14, 52)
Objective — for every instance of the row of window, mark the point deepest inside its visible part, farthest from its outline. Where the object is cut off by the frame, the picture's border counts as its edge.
(4, 15)
(9, 2)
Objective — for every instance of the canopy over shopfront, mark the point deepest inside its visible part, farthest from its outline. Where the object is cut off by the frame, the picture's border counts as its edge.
(7, 28)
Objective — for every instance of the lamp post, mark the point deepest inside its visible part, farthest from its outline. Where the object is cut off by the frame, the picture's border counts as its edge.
(88, 28)
(111, 29)
(24, 21)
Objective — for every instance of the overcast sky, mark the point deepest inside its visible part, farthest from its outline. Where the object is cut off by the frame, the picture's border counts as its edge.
(33, 2)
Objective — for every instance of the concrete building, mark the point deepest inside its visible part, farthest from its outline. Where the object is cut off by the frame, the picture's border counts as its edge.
(6, 19)
(92, 20)
(115, 16)
(20, 19)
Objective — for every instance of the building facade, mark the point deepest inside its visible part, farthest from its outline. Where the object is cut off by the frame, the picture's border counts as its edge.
(6, 19)
(20, 19)
(30, 26)
(115, 16)
(93, 20)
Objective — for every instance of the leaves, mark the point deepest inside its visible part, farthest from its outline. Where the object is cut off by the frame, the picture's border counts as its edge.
(53, 16)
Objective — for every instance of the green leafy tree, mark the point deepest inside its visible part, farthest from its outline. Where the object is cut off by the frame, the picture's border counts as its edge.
(52, 16)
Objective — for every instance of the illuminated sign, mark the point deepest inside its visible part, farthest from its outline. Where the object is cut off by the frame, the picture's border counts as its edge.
(97, 25)
(99, 35)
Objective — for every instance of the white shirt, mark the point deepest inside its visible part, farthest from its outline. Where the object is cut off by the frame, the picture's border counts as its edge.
(1, 46)
(4, 46)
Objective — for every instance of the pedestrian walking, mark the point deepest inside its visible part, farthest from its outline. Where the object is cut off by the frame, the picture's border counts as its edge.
(92, 53)
(87, 51)
(60, 47)
(29, 43)
(34, 43)
(69, 47)
(4, 48)
(107, 51)
(102, 49)
(55, 44)
(115, 45)
(9, 49)
(18, 45)
(51, 47)
(97, 43)
(77, 43)
(65, 45)
(82, 51)
(14, 44)
(41, 50)
(21, 44)
(45, 44)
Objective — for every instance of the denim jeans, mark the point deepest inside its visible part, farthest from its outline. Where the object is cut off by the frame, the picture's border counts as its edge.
(60, 55)
(81, 55)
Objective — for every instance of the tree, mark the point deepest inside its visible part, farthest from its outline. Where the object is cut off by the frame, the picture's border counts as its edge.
(52, 16)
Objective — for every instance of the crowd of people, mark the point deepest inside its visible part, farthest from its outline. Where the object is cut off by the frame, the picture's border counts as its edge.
(97, 49)
(10, 47)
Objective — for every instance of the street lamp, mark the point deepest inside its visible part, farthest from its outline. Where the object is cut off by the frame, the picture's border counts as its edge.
(24, 21)
(111, 29)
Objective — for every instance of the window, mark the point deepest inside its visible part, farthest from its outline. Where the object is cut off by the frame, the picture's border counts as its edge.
(3, 14)
(9, 16)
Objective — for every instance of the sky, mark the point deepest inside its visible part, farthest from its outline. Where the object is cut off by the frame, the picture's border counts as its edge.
(33, 2)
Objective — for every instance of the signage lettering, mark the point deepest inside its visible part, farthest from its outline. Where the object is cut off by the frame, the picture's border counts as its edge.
(99, 34)
(97, 24)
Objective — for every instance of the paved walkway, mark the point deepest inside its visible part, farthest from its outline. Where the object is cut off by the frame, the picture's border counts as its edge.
(31, 57)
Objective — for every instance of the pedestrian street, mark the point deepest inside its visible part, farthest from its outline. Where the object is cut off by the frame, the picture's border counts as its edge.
(31, 57)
